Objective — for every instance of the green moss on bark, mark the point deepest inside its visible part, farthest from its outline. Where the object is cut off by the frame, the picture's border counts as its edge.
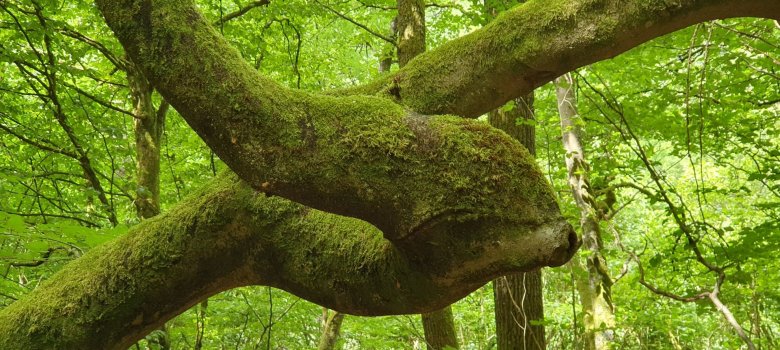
(228, 235)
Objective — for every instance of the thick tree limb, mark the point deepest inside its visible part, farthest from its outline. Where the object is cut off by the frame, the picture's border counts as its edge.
(359, 156)
(371, 158)
(536, 42)
(228, 236)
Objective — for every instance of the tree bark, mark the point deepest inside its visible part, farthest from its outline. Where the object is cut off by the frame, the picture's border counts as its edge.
(596, 296)
(330, 333)
(519, 311)
(439, 328)
(147, 125)
(411, 30)
(519, 306)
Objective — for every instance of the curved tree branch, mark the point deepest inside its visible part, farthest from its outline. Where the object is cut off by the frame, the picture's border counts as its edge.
(539, 41)
(228, 236)
(359, 156)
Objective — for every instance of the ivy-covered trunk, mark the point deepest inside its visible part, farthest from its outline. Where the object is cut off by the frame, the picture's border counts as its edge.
(148, 125)
(595, 293)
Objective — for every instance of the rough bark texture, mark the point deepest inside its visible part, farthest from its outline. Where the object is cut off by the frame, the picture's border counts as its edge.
(439, 328)
(330, 333)
(411, 30)
(458, 202)
(519, 307)
(599, 313)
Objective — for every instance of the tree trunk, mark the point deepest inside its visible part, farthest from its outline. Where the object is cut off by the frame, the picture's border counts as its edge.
(599, 314)
(330, 333)
(410, 24)
(200, 324)
(439, 328)
(519, 311)
(519, 306)
(148, 126)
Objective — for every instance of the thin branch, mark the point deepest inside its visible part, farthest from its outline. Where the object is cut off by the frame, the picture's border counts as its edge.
(118, 62)
(38, 145)
(369, 30)
(240, 12)
(96, 99)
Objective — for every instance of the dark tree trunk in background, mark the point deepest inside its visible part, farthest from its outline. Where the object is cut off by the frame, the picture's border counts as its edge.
(519, 306)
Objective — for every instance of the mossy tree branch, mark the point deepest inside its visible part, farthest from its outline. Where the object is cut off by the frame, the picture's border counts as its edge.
(369, 157)
(533, 43)
(228, 235)
(360, 156)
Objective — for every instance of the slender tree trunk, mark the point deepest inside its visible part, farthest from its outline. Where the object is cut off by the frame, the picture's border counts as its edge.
(439, 328)
(724, 310)
(200, 325)
(388, 50)
(410, 24)
(330, 333)
(599, 314)
(147, 125)
(518, 297)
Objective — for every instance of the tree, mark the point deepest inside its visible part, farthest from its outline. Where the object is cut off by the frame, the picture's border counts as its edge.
(519, 306)
(595, 293)
(457, 203)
